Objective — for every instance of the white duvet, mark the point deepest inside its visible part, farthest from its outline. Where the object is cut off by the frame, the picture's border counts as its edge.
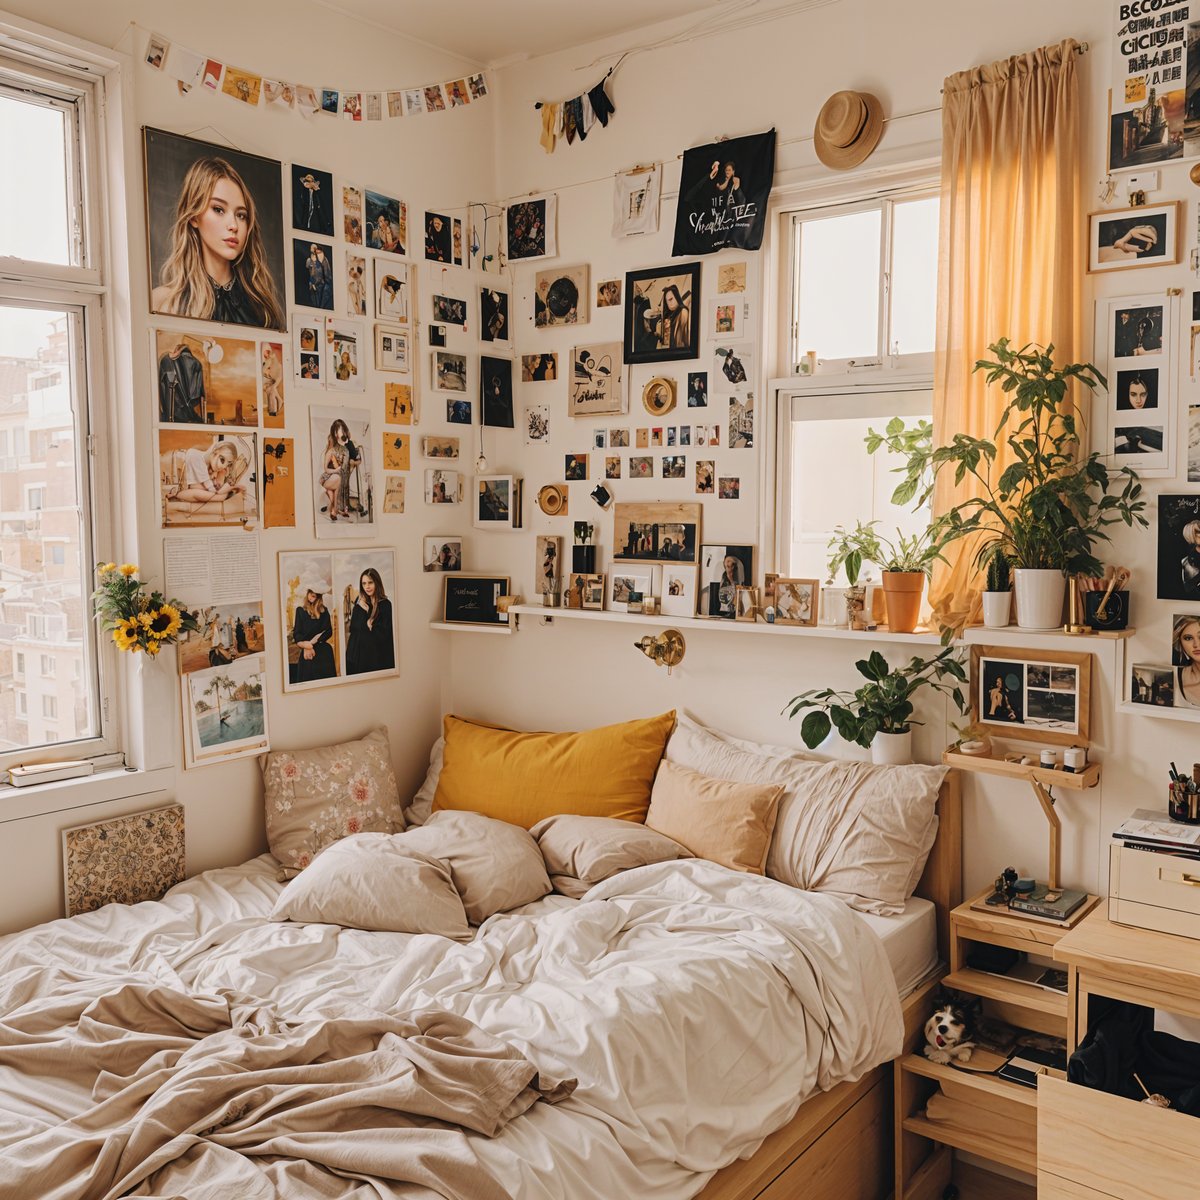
(697, 1007)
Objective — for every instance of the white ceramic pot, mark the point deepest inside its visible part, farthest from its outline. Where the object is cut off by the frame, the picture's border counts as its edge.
(1039, 598)
(892, 748)
(997, 609)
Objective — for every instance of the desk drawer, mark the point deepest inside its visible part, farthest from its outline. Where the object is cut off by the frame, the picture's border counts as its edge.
(1116, 1147)
(1154, 891)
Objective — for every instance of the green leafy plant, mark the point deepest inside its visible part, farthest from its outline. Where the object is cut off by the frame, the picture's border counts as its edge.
(883, 704)
(1050, 506)
(851, 548)
(999, 573)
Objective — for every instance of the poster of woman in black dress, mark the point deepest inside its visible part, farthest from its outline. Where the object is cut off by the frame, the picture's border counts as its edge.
(311, 634)
(723, 192)
(215, 226)
(364, 583)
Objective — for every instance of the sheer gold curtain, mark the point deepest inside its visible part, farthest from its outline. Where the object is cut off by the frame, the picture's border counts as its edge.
(1011, 258)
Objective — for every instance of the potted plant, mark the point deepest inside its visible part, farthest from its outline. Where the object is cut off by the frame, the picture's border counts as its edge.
(997, 592)
(878, 715)
(905, 564)
(1049, 507)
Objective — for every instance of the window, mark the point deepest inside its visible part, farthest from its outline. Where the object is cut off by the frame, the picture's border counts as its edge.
(53, 511)
(864, 284)
(864, 298)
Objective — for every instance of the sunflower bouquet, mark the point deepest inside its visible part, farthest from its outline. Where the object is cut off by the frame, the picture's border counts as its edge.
(138, 619)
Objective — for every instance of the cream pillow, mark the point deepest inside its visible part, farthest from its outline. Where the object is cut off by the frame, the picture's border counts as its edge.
(581, 851)
(316, 797)
(495, 866)
(417, 813)
(713, 752)
(727, 823)
(374, 881)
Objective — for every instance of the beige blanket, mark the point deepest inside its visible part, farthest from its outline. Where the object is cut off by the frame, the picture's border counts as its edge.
(247, 1106)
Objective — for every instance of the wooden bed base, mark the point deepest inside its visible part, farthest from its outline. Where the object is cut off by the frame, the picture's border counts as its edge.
(839, 1144)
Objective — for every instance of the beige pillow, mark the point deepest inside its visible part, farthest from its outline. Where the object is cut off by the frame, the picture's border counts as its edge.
(582, 851)
(727, 823)
(317, 797)
(708, 750)
(417, 813)
(375, 881)
(495, 866)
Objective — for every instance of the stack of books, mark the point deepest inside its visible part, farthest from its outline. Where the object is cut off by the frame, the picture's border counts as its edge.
(1149, 830)
(1056, 904)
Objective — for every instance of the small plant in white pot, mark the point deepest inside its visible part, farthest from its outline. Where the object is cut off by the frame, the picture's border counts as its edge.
(879, 715)
(997, 592)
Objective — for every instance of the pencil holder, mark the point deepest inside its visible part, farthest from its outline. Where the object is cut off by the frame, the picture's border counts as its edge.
(1116, 611)
(1183, 805)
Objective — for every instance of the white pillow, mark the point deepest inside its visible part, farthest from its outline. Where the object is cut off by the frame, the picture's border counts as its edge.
(417, 813)
(854, 830)
(495, 866)
(375, 881)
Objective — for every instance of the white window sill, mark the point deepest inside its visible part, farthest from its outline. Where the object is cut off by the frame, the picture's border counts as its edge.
(40, 799)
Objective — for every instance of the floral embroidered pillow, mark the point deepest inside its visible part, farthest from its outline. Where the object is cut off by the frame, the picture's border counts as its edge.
(317, 797)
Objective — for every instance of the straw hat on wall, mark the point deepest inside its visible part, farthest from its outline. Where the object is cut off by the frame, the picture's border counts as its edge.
(848, 129)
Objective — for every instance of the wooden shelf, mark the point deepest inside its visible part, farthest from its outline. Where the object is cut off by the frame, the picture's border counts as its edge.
(1009, 1151)
(918, 1064)
(447, 627)
(987, 765)
(1008, 991)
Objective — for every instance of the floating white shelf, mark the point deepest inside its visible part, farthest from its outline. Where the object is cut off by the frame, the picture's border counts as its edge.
(447, 627)
(720, 625)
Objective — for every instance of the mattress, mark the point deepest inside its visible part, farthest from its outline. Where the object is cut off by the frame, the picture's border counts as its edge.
(909, 940)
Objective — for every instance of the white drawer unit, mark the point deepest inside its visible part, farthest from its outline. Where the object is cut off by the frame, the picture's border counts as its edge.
(1154, 891)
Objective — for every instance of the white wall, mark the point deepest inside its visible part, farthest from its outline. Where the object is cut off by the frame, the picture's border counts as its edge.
(408, 158)
(778, 73)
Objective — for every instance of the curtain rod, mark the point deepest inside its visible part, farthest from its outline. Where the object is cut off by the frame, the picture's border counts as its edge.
(1080, 48)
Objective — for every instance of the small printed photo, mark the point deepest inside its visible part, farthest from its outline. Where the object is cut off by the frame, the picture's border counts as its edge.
(437, 335)
(450, 310)
(352, 215)
(341, 459)
(312, 267)
(434, 100)
(397, 449)
(439, 447)
(724, 569)
(397, 404)
(227, 707)
(442, 554)
(439, 239)
(575, 467)
(697, 389)
(242, 85)
(685, 435)
(537, 424)
(312, 200)
(352, 106)
(458, 412)
(731, 277)
(356, 287)
(608, 293)
(674, 466)
(391, 349)
(442, 487)
(548, 563)
(449, 371)
(208, 478)
(478, 86)
(330, 102)
(156, 51)
(494, 502)
(343, 343)
(1137, 439)
(643, 438)
(729, 487)
(227, 632)
(724, 318)
(704, 477)
(678, 591)
(535, 368)
(618, 439)
(1137, 331)
(1152, 685)
(612, 468)
(672, 435)
(387, 223)
(1137, 389)
(206, 380)
(1002, 692)
(496, 392)
(627, 582)
(493, 315)
(456, 90)
(391, 291)
(599, 439)
(593, 591)
(561, 296)
(393, 494)
(641, 467)
(795, 601)
(271, 372)
(656, 436)
(458, 242)
(741, 422)
(414, 102)
(306, 360)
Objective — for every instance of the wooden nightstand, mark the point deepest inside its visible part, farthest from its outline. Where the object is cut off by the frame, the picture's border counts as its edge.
(1095, 1146)
(1004, 1129)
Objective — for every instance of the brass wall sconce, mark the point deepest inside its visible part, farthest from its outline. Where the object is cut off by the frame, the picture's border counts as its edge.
(665, 649)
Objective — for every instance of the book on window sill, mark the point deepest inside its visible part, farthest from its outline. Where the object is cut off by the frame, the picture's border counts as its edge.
(26, 776)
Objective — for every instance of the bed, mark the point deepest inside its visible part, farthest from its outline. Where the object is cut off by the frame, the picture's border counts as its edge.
(695, 1007)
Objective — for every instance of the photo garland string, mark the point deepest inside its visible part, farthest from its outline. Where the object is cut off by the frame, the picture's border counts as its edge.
(568, 119)
(196, 71)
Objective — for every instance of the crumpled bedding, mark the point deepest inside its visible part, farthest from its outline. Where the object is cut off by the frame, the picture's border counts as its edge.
(696, 1007)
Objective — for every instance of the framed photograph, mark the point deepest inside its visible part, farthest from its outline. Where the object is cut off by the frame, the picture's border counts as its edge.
(449, 371)
(593, 591)
(496, 392)
(437, 446)
(795, 600)
(182, 179)
(1178, 547)
(658, 532)
(474, 600)
(497, 502)
(343, 496)
(209, 380)
(442, 553)
(387, 223)
(548, 564)
(597, 380)
(1152, 685)
(662, 313)
(531, 227)
(312, 200)
(1147, 236)
(678, 590)
(1031, 695)
(746, 604)
(442, 487)
(391, 291)
(723, 317)
(626, 579)
(448, 310)
(308, 340)
(723, 569)
(343, 355)
(560, 296)
(493, 315)
(207, 478)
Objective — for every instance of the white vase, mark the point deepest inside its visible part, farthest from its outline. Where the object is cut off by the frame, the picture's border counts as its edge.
(997, 609)
(1039, 597)
(892, 748)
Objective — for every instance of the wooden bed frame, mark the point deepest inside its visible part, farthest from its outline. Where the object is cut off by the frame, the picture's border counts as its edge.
(839, 1144)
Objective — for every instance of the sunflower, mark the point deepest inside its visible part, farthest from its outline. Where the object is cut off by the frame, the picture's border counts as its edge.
(128, 569)
(153, 647)
(125, 634)
(161, 623)
(105, 568)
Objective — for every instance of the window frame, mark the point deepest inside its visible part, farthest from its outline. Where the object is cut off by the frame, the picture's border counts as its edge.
(71, 79)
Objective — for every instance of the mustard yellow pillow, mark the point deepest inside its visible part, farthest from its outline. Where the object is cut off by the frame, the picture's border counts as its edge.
(522, 777)
(727, 823)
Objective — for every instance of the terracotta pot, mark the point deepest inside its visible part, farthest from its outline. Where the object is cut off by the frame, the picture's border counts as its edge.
(902, 591)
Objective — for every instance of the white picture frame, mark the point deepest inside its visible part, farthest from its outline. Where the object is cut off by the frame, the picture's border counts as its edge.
(630, 576)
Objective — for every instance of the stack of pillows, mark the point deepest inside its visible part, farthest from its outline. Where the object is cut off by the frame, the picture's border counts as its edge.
(503, 818)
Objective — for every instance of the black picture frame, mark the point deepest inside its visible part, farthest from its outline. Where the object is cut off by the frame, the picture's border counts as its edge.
(649, 336)
(473, 599)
